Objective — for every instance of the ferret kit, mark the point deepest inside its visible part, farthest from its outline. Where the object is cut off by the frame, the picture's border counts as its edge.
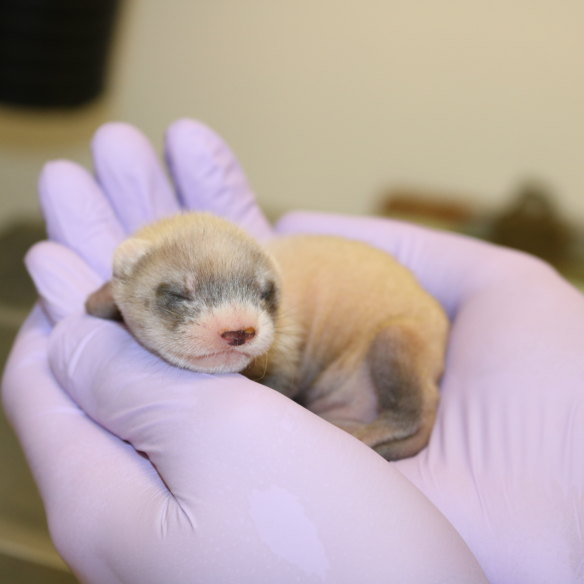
(335, 324)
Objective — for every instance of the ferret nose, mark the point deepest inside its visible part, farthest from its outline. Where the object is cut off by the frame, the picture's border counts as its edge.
(236, 338)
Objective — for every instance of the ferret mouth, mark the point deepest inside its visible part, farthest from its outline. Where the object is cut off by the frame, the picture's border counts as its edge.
(220, 353)
(228, 361)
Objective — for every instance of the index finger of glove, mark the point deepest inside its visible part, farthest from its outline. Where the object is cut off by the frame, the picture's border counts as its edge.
(131, 176)
(208, 177)
(78, 215)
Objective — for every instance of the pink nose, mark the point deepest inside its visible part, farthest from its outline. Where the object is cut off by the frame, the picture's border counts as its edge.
(236, 338)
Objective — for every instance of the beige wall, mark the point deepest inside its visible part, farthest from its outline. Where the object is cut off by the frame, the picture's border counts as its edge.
(327, 103)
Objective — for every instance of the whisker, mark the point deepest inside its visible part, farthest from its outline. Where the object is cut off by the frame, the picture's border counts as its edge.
(267, 355)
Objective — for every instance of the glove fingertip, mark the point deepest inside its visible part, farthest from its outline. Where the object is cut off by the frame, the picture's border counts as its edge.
(58, 169)
(128, 170)
(62, 280)
(208, 176)
(58, 176)
(36, 256)
(190, 127)
(114, 136)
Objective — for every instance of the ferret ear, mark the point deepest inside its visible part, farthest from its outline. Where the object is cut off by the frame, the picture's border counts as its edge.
(127, 254)
(101, 303)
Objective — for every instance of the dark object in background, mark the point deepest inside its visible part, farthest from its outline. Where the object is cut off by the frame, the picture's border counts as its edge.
(53, 53)
(425, 206)
(17, 290)
(532, 224)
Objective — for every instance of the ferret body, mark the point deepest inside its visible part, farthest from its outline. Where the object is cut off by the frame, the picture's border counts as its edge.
(333, 323)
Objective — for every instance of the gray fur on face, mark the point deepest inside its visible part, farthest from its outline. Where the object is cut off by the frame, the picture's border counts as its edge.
(190, 281)
(179, 276)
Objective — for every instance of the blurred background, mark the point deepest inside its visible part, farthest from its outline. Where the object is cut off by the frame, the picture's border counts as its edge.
(465, 115)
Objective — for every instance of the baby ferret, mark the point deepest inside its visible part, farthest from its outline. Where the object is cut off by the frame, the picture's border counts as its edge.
(333, 323)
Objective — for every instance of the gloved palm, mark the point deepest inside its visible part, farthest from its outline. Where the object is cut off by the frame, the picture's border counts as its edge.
(239, 484)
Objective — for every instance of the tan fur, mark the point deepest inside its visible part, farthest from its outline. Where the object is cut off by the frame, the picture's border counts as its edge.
(341, 295)
(354, 337)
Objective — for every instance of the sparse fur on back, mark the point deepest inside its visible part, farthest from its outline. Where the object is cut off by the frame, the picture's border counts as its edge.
(371, 346)
(335, 324)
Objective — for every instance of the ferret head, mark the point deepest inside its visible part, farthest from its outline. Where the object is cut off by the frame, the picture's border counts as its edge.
(200, 293)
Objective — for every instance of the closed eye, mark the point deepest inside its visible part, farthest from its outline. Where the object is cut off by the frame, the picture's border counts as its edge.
(179, 296)
(268, 292)
(172, 293)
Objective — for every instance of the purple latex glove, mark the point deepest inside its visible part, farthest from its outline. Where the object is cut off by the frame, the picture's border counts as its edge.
(505, 462)
(238, 483)
(241, 484)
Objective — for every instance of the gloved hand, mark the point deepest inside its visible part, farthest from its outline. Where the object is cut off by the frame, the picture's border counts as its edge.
(242, 485)
(505, 463)
(152, 474)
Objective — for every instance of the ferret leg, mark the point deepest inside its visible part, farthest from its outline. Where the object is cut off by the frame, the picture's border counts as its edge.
(407, 395)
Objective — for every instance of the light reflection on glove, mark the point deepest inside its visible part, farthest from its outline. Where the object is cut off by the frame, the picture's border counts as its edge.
(239, 484)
